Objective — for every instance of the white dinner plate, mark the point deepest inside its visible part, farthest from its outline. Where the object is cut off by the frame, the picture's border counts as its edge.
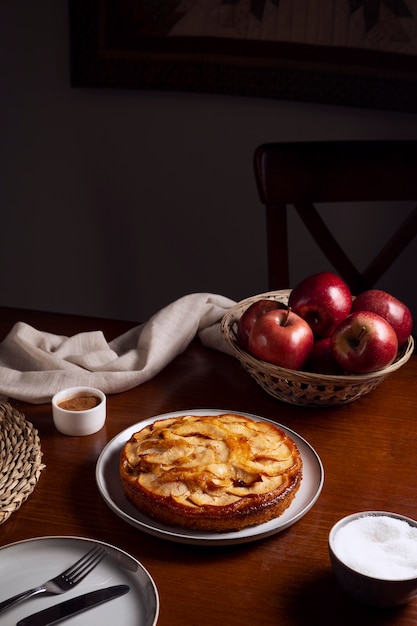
(29, 563)
(110, 487)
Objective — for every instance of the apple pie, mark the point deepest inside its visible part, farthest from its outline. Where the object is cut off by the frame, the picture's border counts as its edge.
(214, 473)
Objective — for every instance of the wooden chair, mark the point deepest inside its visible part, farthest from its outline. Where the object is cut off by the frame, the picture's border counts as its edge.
(303, 173)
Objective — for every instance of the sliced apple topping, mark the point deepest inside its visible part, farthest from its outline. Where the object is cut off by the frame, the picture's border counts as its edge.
(201, 498)
(264, 485)
(211, 461)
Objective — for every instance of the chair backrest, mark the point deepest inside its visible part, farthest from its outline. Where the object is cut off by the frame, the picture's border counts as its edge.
(303, 173)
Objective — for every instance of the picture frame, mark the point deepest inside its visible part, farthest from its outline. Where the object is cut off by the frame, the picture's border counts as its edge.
(131, 44)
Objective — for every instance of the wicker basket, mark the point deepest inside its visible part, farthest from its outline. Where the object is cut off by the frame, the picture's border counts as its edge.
(297, 387)
(20, 460)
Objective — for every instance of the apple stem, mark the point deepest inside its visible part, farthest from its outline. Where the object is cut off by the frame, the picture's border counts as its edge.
(360, 335)
(285, 320)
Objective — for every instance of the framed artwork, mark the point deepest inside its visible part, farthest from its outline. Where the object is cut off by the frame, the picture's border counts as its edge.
(342, 52)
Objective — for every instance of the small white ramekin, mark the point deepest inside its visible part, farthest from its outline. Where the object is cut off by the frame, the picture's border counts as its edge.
(79, 422)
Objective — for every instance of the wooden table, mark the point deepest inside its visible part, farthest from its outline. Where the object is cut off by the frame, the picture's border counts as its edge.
(368, 449)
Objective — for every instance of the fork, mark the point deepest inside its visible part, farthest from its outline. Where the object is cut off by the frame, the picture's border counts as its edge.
(65, 581)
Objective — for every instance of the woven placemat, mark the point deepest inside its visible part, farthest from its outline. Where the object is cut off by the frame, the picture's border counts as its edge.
(20, 460)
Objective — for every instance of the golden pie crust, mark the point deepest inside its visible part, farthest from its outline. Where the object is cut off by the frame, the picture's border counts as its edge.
(214, 473)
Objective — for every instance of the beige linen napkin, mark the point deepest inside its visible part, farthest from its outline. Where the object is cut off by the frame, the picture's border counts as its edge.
(35, 364)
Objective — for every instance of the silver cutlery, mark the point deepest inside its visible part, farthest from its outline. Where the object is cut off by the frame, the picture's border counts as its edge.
(65, 581)
(62, 610)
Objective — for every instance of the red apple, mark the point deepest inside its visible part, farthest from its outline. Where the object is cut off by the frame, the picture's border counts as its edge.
(281, 337)
(320, 360)
(390, 308)
(364, 342)
(250, 315)
(323, 300)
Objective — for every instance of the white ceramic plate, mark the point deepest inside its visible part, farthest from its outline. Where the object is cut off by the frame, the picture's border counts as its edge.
(110, 487)
(26, 564)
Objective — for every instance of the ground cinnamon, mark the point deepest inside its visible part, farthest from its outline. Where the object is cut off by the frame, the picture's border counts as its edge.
(79, 403)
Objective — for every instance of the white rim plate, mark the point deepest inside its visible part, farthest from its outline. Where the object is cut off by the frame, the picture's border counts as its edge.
(110, 487)
(26, 564)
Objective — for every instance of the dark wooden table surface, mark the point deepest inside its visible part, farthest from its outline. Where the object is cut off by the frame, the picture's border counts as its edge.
(368, 449)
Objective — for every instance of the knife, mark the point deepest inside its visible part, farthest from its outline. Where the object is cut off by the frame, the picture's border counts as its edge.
(58, 612)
